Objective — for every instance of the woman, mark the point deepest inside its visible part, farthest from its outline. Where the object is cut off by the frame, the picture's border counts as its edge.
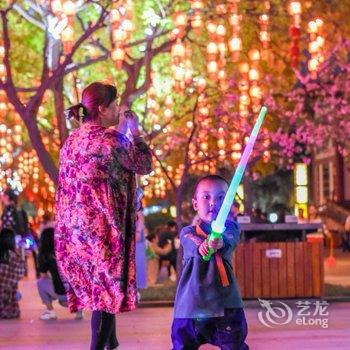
(95, 210)
(9, 217)
(11, 271)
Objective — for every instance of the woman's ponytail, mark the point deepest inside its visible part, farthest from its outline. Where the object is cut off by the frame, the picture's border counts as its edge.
(78, 112)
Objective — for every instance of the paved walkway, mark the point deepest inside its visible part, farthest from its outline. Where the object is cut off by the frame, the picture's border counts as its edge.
(148, 328)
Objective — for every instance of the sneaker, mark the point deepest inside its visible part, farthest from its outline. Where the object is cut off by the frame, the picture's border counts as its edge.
(48, 315)
(79, 315)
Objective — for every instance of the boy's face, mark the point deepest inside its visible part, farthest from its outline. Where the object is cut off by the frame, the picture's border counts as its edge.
(208, 199)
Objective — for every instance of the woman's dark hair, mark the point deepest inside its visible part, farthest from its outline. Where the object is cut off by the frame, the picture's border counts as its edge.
(7, 243)
(11, 194)
(151, 237)
(47, 243)
(47, 217)
(95, 95)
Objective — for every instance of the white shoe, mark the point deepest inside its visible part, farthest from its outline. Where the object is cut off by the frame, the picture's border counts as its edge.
(48, 315)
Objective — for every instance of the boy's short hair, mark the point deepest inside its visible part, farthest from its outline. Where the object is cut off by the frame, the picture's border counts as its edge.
(210, 178)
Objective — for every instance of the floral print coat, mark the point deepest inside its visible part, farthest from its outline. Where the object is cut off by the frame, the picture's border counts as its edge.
(95, 217)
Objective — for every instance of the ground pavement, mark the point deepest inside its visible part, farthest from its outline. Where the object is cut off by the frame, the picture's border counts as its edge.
(148, 328)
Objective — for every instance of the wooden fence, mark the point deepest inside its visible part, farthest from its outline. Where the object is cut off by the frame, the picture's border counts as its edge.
(294, 269)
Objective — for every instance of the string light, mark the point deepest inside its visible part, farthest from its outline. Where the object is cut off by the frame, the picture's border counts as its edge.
(294, 31)
(121, 30)
(316, 45)
(2, 66)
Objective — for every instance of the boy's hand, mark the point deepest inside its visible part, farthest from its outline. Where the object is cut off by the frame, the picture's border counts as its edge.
(204, 248)
(216, 244)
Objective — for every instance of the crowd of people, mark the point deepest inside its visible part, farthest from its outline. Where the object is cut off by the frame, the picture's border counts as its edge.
(154, 253)
(18, 239)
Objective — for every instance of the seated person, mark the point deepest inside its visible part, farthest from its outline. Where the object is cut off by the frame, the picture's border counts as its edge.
(50, 285)
(12, 269)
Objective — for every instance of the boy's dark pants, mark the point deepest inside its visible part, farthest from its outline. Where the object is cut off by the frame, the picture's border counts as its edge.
(227, 332)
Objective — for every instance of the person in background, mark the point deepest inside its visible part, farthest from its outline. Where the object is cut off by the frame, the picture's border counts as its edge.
(346, 236)
(141, 260)
(12, 269)
(153, 252)
(9, 217)
(235, 211)
(313, 217)
(169, 260)
(47, 221)
(50, 285)
(301, 217)
(258, 217)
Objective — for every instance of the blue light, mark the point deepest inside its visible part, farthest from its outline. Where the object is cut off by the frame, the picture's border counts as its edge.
(273, 217)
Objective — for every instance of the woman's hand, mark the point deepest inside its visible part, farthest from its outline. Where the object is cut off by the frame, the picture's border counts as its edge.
(133, 122)
(122, 126)
(128, 120)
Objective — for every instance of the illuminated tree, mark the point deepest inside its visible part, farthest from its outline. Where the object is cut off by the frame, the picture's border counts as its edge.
(195, 71)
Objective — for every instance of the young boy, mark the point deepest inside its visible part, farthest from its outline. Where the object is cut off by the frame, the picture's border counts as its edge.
(208, 307)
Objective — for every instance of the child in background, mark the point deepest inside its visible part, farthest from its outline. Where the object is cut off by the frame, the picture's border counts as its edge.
(208, 307)
(12, 269)
(153, 252)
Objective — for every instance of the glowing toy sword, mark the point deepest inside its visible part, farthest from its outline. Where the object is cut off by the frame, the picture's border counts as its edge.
(218, 225)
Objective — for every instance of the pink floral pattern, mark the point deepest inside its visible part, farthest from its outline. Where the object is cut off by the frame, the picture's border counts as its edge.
(95, 218)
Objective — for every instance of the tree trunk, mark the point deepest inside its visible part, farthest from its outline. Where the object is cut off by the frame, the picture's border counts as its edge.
(248, 194)
(59, 110)
(37, 143)
(178, 203)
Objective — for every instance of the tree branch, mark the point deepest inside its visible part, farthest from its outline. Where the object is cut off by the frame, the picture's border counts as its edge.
(28, 17)
(75, 67)
(189, 141)
(8, 86)
(165, 171)
(45, 84)
(145, 40)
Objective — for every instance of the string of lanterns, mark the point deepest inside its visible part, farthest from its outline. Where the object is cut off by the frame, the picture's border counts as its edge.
(294, 31)
(2, 66)
(224, 46)
(121, 29)
(65, 11)
(316, 45)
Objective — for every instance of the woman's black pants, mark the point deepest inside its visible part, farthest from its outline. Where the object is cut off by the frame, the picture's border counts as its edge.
(103, 334)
